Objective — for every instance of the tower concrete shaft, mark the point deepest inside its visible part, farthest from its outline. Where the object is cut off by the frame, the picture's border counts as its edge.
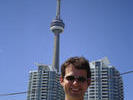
(56, 51)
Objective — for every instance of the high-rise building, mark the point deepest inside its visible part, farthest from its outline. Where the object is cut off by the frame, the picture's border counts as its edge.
(44, 84)
(106, 82)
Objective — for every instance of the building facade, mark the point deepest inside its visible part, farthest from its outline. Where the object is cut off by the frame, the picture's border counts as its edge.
(106, 82)
(44, 84)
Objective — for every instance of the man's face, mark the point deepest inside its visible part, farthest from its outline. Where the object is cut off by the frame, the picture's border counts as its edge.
(75, 82)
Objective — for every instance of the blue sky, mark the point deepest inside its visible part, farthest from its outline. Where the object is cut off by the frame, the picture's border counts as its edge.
(93, 28)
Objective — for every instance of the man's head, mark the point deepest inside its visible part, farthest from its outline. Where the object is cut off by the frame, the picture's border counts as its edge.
(78, 63)
(75, 77)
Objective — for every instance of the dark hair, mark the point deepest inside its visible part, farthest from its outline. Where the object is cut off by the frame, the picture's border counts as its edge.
(78, 63)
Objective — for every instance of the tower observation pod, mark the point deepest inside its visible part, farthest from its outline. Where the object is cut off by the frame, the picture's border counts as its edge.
(57, 27)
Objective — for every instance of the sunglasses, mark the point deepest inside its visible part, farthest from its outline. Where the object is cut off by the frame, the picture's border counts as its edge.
(78, 78)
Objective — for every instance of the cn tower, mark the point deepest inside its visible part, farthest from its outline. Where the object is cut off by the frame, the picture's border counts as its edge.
(57, 27)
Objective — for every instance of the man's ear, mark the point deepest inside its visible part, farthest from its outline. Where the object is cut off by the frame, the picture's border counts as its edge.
(61, 80)
(89, 81)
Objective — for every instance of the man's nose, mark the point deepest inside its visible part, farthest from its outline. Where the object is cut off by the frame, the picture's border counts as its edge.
(75, 82)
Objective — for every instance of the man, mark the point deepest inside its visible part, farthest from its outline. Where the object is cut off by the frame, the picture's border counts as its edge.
(75, 77)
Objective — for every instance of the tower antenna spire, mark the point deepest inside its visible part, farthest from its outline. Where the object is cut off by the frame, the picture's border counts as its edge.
(57, 27)
(58, 10)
